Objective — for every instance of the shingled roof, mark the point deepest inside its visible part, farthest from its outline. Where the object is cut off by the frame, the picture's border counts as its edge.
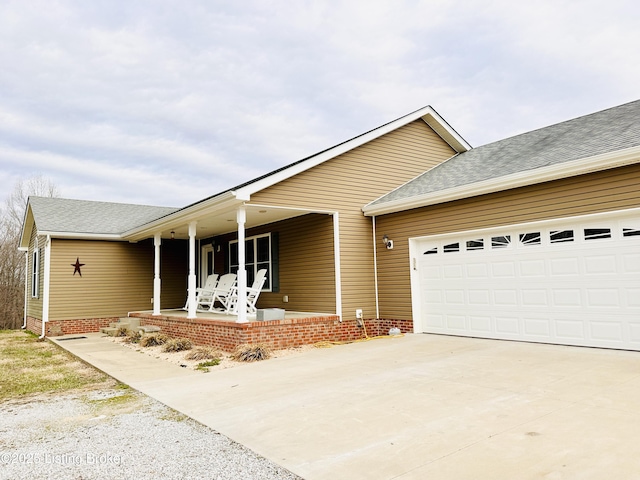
(610, 130)
(61, 215)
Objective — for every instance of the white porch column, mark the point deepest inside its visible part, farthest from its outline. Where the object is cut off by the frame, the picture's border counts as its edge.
(192, 270)
(242, 270)
(336, 256)
(157, 241)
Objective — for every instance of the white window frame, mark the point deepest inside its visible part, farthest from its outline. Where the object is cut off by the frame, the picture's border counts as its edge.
(35, 273)
(255, 258)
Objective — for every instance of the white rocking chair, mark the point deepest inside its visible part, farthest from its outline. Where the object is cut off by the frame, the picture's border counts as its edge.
(223, 292)
(204, 294)
(253, 292)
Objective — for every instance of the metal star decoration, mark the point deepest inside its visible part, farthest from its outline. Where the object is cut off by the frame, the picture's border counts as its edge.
(76, 266)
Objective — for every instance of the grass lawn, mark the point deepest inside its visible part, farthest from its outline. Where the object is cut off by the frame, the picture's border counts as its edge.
(29, 366)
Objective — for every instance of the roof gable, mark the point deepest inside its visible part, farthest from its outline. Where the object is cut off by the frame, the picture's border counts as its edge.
(231, 198)
(596, 136)
(427, 114)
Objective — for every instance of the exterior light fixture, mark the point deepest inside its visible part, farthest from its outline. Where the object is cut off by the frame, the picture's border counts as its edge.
(173, 235)
(387, 242)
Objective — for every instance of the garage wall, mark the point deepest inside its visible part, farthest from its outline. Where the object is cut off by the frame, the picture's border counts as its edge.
(597, 192)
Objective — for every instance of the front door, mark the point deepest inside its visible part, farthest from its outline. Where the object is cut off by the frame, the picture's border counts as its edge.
(206, 263)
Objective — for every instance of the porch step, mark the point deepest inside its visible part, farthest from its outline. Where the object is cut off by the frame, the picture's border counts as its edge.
(127, 322)
(148, 329)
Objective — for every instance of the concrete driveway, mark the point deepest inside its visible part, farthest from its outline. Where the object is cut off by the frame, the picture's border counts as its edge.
(415, 407)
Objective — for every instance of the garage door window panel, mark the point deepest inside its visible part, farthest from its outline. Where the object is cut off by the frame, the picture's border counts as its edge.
(452, 247)
(477, 244)
(532, 238)
(502, 241)
(596, 233)
(561, 236)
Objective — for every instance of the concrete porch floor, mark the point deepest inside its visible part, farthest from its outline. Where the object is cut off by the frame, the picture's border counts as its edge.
(412, 407)
(223, 317)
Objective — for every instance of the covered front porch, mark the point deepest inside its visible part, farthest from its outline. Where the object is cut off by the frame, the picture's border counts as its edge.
(224, 332)
(299, 249)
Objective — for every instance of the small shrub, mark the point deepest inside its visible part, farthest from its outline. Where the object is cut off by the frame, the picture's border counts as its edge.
(203, 353)
(177, 345)
(251, 353)
(133, 336)
(204, 366)
(153, 340)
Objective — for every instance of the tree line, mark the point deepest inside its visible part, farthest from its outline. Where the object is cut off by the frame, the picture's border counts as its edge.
(12, 261)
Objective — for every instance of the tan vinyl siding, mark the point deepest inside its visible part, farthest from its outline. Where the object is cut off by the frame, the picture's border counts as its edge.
(34, 305)
(348, 182)
(117, 277)
(306, 264)
(604, 191)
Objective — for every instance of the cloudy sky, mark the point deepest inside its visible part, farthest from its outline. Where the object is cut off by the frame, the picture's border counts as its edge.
(166, 102)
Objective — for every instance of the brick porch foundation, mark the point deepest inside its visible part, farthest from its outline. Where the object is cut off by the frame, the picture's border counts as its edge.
(277, 334)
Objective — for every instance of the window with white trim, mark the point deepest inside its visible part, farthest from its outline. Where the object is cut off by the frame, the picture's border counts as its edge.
(257, 255)
(35, 273)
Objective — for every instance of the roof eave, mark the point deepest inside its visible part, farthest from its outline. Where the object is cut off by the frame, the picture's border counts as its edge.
(222, 202)
(82, 235)
(581, 166)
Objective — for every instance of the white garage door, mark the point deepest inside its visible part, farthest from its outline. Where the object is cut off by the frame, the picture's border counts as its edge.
(575, 282)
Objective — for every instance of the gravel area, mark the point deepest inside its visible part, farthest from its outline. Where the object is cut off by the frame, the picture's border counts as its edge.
(117, 434)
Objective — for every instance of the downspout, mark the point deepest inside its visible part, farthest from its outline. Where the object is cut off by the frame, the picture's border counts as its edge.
(375, 265)
(45, 287)
(26, 287)
(336, 255)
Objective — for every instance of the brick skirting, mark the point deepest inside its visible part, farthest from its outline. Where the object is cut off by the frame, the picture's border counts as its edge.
(68, 327)
(277, 334)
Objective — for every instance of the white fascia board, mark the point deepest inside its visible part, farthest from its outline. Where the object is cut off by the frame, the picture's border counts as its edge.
(444, 130)
(27, 227)
(573, 168)
(188, 214)
(428, 114)
(82, 236)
